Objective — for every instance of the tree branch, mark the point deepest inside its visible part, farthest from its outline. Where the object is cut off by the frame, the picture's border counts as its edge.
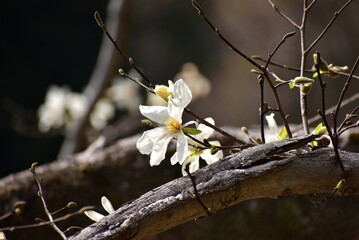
(104, 71)
(257, 172)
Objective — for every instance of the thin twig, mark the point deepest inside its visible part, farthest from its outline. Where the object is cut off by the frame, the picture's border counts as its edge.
(336, 14)
(347, 118)
(217, 129)
(196, 194)
(283, 15)
(332, 136)
(303, 95)
(216, 30)
(261, 68)
(261, 88)
(41, 195)
(46, 223)
(298, 69)
(288, 35)
(152, 85)
(347, 101)
(124, 55)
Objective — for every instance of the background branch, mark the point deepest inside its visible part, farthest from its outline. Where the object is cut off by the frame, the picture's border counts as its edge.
(105, 69)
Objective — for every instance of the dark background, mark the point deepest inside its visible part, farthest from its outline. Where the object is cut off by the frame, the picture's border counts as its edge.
(46, 43)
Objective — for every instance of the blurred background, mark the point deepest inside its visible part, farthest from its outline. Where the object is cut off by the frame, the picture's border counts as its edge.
(57, 43)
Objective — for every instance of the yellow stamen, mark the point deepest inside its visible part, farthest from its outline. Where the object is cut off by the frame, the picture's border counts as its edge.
(173, 125)
(163, 92)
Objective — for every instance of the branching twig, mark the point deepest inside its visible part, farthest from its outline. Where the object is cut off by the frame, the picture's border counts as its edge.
(336, 14)
(46, 223)
(283, 15)
(216, 30)
(152, 85)
(298, 69)
(332, 136)
(261, 68)
(41, 195)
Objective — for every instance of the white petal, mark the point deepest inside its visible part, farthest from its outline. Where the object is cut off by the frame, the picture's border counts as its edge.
(182, 147)
(174, 158)
(107, 205)
(211, 158)
(146, 143)
(157, 114)
(193, 163)
(206, 131)
(182, 92)
(2, 236)
(272, 124)
(174, 109)
(94, 216)
(159, 149)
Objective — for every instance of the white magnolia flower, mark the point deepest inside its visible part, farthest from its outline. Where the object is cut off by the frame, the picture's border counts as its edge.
(125, 94)
(276, 134)
(103, 111)
(95, 216)
(76, 104)
(53, 112)
(2, 236)
(193, 153)
(200, 86)
(169, 120)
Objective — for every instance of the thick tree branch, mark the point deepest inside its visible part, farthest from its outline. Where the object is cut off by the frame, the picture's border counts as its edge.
(257, 172)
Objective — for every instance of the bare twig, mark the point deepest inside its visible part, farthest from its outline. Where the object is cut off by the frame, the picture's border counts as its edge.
(336, 14)
(288, 35)
(196, 194)
(46, 223)
(345, 102)
(332, 136)
(216, 30)
(261, 68)
(283, 15)
(41, 195)
(261, 88)
(298, 69)
(152, 85)
(124, 55)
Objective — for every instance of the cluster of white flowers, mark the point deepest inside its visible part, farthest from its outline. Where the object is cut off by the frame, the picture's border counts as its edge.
(169, 125)
(62, 107)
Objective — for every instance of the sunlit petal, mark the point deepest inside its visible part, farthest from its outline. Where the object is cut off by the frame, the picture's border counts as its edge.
(182, 93)
(107, 205)
(182, 147)
(94, 216)
(157, 114)
(146, 143)
(159, 150)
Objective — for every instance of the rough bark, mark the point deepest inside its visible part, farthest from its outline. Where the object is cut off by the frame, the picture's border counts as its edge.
(258, 172)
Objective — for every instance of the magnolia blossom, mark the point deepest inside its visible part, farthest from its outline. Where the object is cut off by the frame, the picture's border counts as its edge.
(169, 121)
(193, 153)
(162, 94)
(61, 108)
(95, 216)
(125, 94)
(103, 111)
(275, 132)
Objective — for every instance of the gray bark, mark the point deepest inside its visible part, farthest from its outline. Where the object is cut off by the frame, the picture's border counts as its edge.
(258, 172)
